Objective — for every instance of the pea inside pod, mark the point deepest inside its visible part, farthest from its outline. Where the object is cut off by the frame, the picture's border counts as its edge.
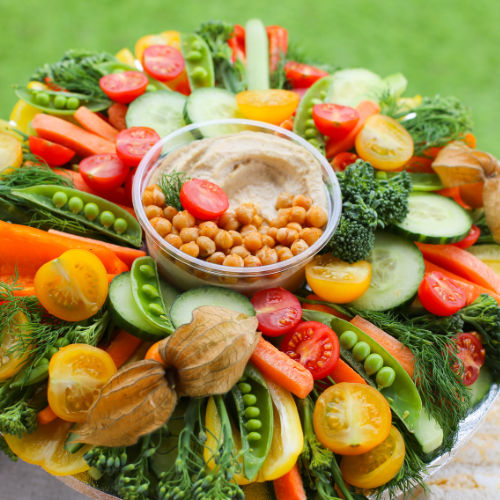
(199, 62)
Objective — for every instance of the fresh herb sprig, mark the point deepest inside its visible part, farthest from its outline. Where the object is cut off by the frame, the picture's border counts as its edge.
(171, 185)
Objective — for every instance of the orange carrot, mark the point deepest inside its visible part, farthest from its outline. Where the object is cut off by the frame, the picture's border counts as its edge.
(323, 308)
(65, 133)
(344, 373)
(393, 346)
(94, 124)
(122, 347)
(46, 416)
(289, 486)
(470, 140)
(462, 263)
(453, 193)
(127, 255)
(365, 109)
(281, 369)
(116, 114)
(25, 292)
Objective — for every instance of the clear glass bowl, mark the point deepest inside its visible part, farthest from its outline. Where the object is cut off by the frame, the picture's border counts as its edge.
(185, 272)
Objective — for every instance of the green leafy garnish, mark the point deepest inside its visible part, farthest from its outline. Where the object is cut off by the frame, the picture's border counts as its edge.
(171, 185)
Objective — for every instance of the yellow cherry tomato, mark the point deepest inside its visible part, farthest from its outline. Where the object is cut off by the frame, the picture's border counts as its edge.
(11, 153)
(11, 364)
(77, 373)
(72, 287)
(45, 447)
(22, 114)
(351, 419)
(172, 38)
(270, 106)
(337, 281)
(378, 466)
(7, 128)
(384, 142)
(126, 57)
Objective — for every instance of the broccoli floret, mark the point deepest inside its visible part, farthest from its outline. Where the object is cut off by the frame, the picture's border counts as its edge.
(107, 460)
(357, 180)
(20, 417)
(6, 449)
(436, 324)
(391, 199)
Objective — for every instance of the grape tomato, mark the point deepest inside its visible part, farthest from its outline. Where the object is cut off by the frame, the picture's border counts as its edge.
(472, 353)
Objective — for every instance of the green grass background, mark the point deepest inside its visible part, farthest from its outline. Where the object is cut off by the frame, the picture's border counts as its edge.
(441, 46)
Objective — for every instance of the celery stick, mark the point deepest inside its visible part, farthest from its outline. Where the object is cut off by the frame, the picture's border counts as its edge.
(257, 54)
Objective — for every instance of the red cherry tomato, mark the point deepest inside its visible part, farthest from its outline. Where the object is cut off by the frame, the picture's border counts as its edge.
(471, 352)
(470, 239)
(441, 295)
(124, 87)
(203, 199)
(314, 346)
(162, 62)
(133, 143)
(54, 154)
(103, 172)
(302, 75)
(278, 311)
(343, 160)
(333, 120)
(128, 186)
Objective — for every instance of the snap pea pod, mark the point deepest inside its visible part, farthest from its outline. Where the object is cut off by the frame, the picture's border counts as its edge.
(43, 195)
(147, 294)
(349, 358)
(419, 182)
(114, 66)
(199, 62)
(255, 414)
(402, 395)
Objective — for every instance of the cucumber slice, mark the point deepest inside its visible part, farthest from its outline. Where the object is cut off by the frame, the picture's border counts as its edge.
(351, 86)
(428, 432)
(481, 386)
(434, 219)
(397, 270)
(181, 312)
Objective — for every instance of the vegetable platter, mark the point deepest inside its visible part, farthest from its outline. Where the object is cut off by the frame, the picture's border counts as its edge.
(228, 272)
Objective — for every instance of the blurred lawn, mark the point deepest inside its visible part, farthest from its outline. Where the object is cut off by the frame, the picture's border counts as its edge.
(445, 46)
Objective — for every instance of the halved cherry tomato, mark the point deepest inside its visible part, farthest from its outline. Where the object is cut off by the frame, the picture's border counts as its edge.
(72, 287)
(133, 143)
(77, 373)
(441, 295)
(384, 142)
(472, 194)
(302, 75)
(278, 311)
(470, 239)
(11, 338)
(270, 106)
(472, 353)
(124, 87)
(351, 419)
(172, 38)
(203, 199)
(163, 62)
(343, 160)
(54, 154)
(333, 120)
(103, 172)
(375, 467)
(314, 346)
(129, 183)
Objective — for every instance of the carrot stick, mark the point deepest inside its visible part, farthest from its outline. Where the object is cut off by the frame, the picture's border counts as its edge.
(393, 346)
(281, 369)
(46, 416)
(344, 373)
(462, 263)
(79, 140)
(453, 193)
(127, 255)
(25, 292)
(116, 115)
(289, 486)
(122, 347)
(323, 308)
(93, 123)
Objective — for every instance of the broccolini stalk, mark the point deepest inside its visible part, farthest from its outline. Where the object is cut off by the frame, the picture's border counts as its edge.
(107, 460)
(6, 449)
(21, 417)
(438, 324)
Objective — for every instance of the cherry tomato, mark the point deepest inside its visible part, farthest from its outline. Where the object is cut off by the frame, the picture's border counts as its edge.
(384, 142)
(441, 295)
(333, 120)
(472, 194)
(133, 143)
(314, 346)
(103, 172)
(162, 62)
(351, 419)
(470, 239)
(471, 352)
(278, 311)
(54, 154)
(153, 352)
(343, 160)
(270, 106)
(11, 337)
(129, 183)
(377, 466)
(124, 87)
(203, 199)
(72, 287)
(337, 281)
(172, 38)
(302, 75)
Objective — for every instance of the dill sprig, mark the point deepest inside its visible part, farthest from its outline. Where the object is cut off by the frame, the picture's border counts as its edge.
(171, 185)
(29, 175)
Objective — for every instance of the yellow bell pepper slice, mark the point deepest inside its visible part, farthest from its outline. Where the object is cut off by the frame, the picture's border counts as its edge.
(11, 153)
(172, 38)
(126, 57)
(22, 115)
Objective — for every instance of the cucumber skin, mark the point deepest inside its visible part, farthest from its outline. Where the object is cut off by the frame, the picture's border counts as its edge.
(431, 240)
(257, 54)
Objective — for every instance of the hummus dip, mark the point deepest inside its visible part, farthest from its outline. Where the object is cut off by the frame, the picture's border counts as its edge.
(251, 167)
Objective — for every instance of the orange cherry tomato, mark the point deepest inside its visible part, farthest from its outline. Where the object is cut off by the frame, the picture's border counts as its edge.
(72, 287)
(351, 419)
(384, 142)
(270, 106)
(472, 194)
(11, 337)
(153, 352)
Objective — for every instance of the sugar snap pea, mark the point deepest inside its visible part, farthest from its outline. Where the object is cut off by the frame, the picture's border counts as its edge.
(39, 373)
(199, 62)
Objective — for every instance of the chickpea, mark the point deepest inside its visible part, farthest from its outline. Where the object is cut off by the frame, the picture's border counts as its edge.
(253, 241)
(174, 240)
(267, 241)
(284, 254)
(310, 235)
(153, 196)
(206, 245)
(233, 260)
(228, 221)
(183, 219)
(169, 213)
(273, 233)
(285, 200)
(302, 201)
(245, 213)
(223, 240)
(252, 261)
(162, 226)
(189, 234)
(295, 226)
(267, 256)
(239, 250)
(284, 213)
(274, 276)
(316, 217)
(263, 229)
(202, 275)
(191, 249)
(287, 236)
(279, 222)
(257, 221)
(152, 211)
(279, 247)
(208, 229)
(246, 230)
(174, 231)
(237, 238)
(298, 215)
(299, 246)
(216, 258)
